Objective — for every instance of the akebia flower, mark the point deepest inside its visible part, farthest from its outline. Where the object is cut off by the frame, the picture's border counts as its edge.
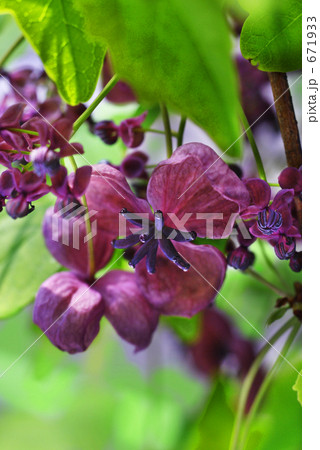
(107, 131)
(68, 312)
(21, 189)
(190, 191)
(130, 131)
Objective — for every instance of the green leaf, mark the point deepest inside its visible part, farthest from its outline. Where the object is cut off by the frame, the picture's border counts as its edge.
(271, 37)
(55, 29)
(298, 387)
(177, 52)
(25, 261)
(276, 315)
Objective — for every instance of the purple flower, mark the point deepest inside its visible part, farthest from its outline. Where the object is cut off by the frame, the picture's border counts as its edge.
(68, 312)
(173, 192)
(107, 131)
(133, 165)
(130, 131)
(21, 189)
(133, 318)
(240, 258)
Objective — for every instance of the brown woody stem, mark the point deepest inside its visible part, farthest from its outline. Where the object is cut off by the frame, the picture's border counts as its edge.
(286, 117)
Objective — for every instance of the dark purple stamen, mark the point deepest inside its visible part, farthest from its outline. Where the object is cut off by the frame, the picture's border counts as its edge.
(269, 221)
(158, 235)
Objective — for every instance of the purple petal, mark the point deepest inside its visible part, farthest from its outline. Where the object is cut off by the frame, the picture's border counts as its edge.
(108, 193)
(125, 307)
(260, 194)
(81, 180)
(178, 186)
(7, 183)
(291, 178)
(283, 198)
(175, 292)
(129, 131)
(222, 178)
(60, 182)
(11, 117)
(68, 312)
(66, 238)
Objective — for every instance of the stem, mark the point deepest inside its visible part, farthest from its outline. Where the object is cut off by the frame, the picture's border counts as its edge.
(286, 117)
(152, 130)
(14, 46)
(253, 144)
(274, 184)
(21, 130)
(246, 386)
(181, 130)
(85, 115)
(267, 283)
(167, 128)
(88, 226)
(266, 382)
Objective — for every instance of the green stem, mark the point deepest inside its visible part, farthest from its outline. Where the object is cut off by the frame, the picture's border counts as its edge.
(88, 226)
(14, 46)
(167, 128)
(181, 130)
(246, 385)
(253, 144)
(152, 130)
(267, 283)
(85, 115)
(21, 130)
(266, 382)
(274, 184)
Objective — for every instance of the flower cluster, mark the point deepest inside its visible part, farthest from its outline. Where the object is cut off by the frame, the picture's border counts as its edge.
(31, 155)
(274, 221)
(179, 278)
(129, 131)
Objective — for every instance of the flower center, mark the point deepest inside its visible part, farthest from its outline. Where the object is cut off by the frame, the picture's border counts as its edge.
(269, 221)
(157, 234)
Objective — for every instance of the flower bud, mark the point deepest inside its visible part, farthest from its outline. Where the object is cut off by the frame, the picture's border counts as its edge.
(240, 258)
(296, 262)
(68, 312)
(107, 131)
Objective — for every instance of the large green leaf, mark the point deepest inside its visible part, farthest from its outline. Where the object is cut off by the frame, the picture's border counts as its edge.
(175, 51)
(55, 29)
(271, 37)
(24, 261)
